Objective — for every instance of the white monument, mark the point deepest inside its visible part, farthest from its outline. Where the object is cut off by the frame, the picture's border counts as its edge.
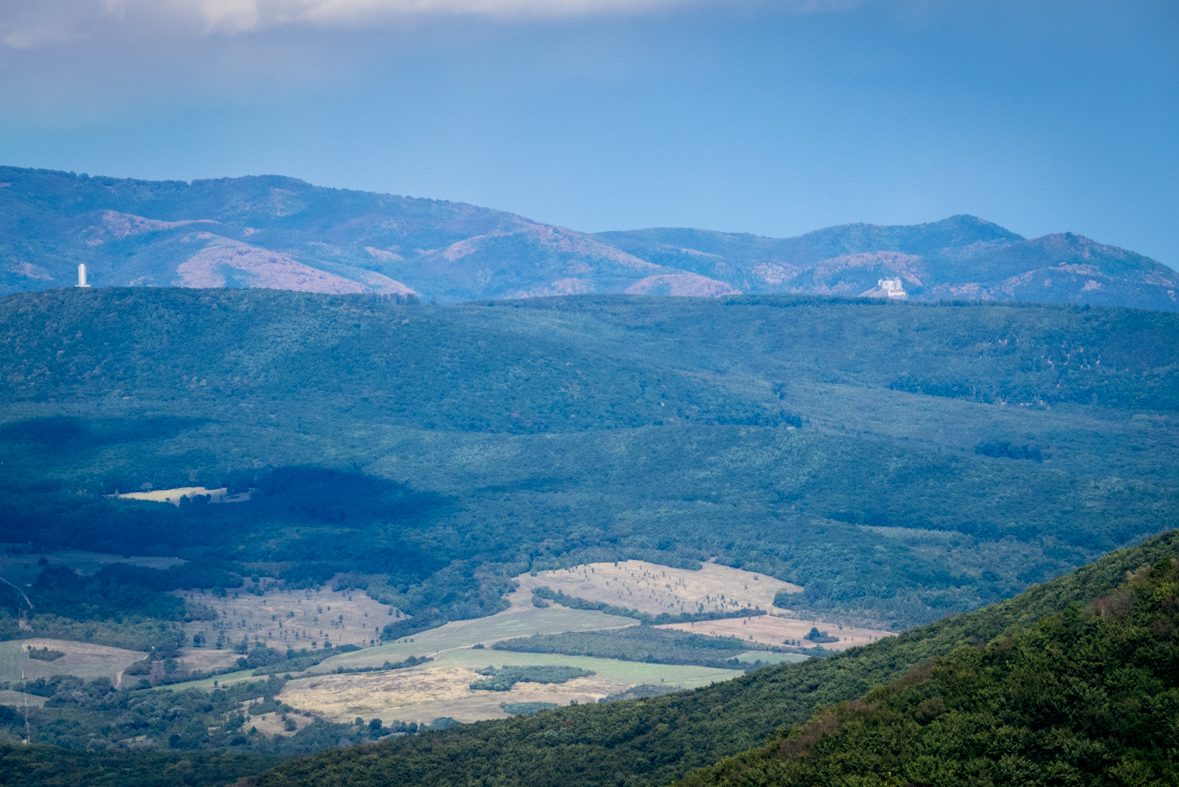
(887, 288)
(892, 288)
(82, 276)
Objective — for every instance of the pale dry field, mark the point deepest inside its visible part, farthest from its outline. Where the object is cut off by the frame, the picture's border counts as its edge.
(442, 688)
(207, 659)
(82, 659)
(290, 618)
(173, 495)
(776, 629)
(270, 724)
(520, 619)
(652, 588)
(16, 699)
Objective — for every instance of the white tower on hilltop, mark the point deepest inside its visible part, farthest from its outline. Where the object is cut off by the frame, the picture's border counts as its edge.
(82, 276)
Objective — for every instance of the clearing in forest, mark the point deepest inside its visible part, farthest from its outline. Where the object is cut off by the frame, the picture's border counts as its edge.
(651, 588)
(80, 659)
(285, 619)
(777, 629)
(173, 495)
(442, 687)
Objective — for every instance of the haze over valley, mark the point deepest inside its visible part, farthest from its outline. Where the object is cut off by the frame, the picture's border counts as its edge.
(589, 393)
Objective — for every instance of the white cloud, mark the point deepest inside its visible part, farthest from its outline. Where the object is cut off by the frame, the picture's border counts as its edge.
(35, 23)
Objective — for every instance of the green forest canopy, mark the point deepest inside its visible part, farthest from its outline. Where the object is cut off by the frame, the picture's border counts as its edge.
(430, 453)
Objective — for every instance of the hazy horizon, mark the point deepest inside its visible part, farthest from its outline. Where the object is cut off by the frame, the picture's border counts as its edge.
(772, 118)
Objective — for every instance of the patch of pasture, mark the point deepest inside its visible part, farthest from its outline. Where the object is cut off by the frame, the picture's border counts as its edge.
(81, 659)
(18, 700)
(289, 618)
(517, 621)
(22, 568)
(442, 687)
(777, 629)
(656, 589)
(768, 657)
(270, 724)
(173, 495)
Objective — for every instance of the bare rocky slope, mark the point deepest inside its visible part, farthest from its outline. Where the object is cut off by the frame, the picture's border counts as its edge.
(282, 233)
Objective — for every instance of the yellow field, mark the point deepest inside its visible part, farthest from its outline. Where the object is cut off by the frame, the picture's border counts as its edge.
(81, 659)
(290, 618)
(521, 619)
(173, 495)
(775, 629)
(441, 688)
(272, 724)
(652, 588)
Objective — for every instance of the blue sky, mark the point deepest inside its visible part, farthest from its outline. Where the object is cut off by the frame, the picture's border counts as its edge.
(768, 117)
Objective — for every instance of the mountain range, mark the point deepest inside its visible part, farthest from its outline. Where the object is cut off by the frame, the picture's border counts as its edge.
(282, 233)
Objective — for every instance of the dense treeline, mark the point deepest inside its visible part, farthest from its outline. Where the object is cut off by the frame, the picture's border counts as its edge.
(542, 595)
(638, 643)
(504, 678)
(1088, 696)
(658, 740)
(35, 766)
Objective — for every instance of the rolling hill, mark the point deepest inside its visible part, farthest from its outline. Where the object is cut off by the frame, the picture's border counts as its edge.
(900, 461)
(282, 233)
(1084, 684)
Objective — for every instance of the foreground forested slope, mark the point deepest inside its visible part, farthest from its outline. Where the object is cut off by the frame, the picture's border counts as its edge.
(1105, 684)
(1089, 696)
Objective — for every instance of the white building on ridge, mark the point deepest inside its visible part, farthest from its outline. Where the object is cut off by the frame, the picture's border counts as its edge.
(886, 288)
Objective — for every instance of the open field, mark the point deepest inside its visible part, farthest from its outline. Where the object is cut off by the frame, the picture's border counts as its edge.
(173, 495)
(272, 723)
(290, 618)
(766, 657)
(652, 588)
(81, 659)
(519, 620)
(776, 629)
(21, 568)
(17, 699)
(441, 688)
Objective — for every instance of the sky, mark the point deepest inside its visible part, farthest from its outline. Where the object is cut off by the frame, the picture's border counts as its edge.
(762, 116)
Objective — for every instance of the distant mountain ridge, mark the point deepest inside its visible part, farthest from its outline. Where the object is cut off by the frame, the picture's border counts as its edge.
(282, 233)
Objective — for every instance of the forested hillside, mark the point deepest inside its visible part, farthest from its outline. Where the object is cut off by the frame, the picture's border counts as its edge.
(1089, 695)
(900, 462)
(430, 453)
(283, 233)
(1111, 632)
(1074, 680)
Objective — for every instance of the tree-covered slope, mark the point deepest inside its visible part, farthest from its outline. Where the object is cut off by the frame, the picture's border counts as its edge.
(430, 453)
(655, 741)
(282, 233)
(1088, 696)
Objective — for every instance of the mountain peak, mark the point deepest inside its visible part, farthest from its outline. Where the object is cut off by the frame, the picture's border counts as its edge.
(282, 232)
